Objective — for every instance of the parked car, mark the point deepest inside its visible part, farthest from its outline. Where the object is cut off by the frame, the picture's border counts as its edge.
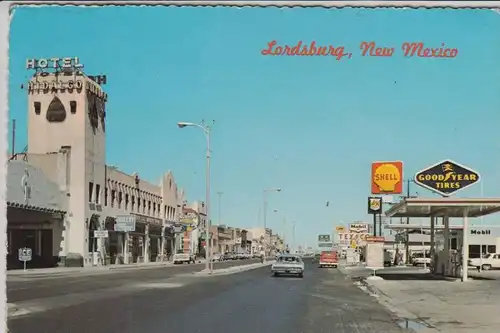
(180, 258)
(489, 261)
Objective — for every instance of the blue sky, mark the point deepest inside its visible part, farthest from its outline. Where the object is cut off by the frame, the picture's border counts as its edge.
(310, 125)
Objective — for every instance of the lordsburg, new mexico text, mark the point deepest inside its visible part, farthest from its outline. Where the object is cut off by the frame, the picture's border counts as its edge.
(368, 49)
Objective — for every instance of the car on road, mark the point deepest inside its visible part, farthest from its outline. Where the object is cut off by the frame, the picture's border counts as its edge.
(315, 259)
(288, 264)
(328, 259)
(180, 258)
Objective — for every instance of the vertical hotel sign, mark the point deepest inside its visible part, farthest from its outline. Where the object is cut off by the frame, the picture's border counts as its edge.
(387, 177)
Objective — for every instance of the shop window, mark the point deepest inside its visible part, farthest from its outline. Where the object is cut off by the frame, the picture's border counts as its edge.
(56, 113)
(38, 107)
(165, 212)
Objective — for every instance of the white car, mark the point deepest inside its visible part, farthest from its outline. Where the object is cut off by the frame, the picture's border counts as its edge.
(288, 264)
(180, 258)
(489, 261)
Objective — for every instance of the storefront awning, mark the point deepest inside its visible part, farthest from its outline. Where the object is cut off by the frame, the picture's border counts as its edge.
(18, 205)
(452, 207)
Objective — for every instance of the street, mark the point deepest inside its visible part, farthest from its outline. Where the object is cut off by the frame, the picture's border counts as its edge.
(171, 299)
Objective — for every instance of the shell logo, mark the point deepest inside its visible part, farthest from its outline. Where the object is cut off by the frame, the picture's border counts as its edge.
(387, 177)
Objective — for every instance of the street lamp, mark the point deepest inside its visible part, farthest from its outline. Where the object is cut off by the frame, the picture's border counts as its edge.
(266, 191)
(208, 249)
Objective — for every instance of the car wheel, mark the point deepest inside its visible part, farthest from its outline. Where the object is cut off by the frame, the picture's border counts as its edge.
(486, 267)
(275, 274)
(301, 275)
(320, 266)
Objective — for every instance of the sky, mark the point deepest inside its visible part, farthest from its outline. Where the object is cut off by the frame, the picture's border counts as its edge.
(309, 125)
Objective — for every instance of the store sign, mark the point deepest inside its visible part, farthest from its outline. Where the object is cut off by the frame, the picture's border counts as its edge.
(148, 220)
(358, 228)
(125, 223)
(387, 177)
(324, 238)
(374, 205)
(446, 177)
(480, 232)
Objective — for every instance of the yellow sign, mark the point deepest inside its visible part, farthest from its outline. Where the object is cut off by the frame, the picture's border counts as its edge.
(353, 244)
(387, 177)
(340, 229)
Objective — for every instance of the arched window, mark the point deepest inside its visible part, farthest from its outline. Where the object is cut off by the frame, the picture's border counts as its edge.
(56, 113)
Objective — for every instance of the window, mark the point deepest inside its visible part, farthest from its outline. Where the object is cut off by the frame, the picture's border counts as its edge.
(144, 206)
(133, 203)
(126, 201)
(120, 198)
(72, 105)
(154, 208)
(91, 191)
(56, 113)
(149, 207)
(165, 212)
(113, 196)
(106, 196)
(97, 194)
(38, 107)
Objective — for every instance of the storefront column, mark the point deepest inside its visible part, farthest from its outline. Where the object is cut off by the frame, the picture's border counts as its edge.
(147, 241)
(125, 248)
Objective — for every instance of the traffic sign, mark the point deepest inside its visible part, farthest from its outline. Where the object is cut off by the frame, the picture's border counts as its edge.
(25, 255)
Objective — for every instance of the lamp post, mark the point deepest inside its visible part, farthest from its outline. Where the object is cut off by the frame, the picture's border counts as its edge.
(206, 131)
(266, 191)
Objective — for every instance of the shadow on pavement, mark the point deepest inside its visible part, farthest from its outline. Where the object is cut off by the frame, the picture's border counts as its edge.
(413, 276)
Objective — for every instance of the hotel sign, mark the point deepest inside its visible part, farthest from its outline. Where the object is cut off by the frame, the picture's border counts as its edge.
(54, 63)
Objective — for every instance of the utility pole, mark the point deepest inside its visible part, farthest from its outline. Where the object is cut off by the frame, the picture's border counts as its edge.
(407, 241)
(293, 234)
(219, 195)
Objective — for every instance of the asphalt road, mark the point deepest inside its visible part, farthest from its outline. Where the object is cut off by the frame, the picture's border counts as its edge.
(323, 301)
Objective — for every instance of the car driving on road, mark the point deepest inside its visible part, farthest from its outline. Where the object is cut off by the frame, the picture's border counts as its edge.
(288, 264)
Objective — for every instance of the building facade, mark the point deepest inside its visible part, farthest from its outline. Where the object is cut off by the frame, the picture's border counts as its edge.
(67, 153)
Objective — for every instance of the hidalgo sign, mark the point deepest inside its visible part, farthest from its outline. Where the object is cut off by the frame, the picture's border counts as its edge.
(447, 177)
(387, 177)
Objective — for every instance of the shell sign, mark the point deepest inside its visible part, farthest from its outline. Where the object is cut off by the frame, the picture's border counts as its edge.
(387, 177)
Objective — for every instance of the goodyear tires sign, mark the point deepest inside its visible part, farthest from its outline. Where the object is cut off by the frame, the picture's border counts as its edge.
(447, 177)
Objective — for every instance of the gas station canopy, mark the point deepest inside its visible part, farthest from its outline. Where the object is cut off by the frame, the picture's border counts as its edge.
(452, 207)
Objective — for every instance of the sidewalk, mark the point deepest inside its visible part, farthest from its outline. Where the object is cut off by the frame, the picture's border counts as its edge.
(442, 306)
(58, 271)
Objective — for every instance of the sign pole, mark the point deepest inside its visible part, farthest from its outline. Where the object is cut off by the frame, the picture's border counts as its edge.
(24, 265)
(374, 225)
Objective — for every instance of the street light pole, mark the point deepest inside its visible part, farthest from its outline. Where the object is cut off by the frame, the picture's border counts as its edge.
(208, 242)
(265, 217)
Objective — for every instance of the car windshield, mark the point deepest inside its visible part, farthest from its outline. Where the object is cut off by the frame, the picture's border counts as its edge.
(289, 259)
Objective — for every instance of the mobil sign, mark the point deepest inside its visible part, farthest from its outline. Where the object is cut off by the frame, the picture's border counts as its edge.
(358, 228)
